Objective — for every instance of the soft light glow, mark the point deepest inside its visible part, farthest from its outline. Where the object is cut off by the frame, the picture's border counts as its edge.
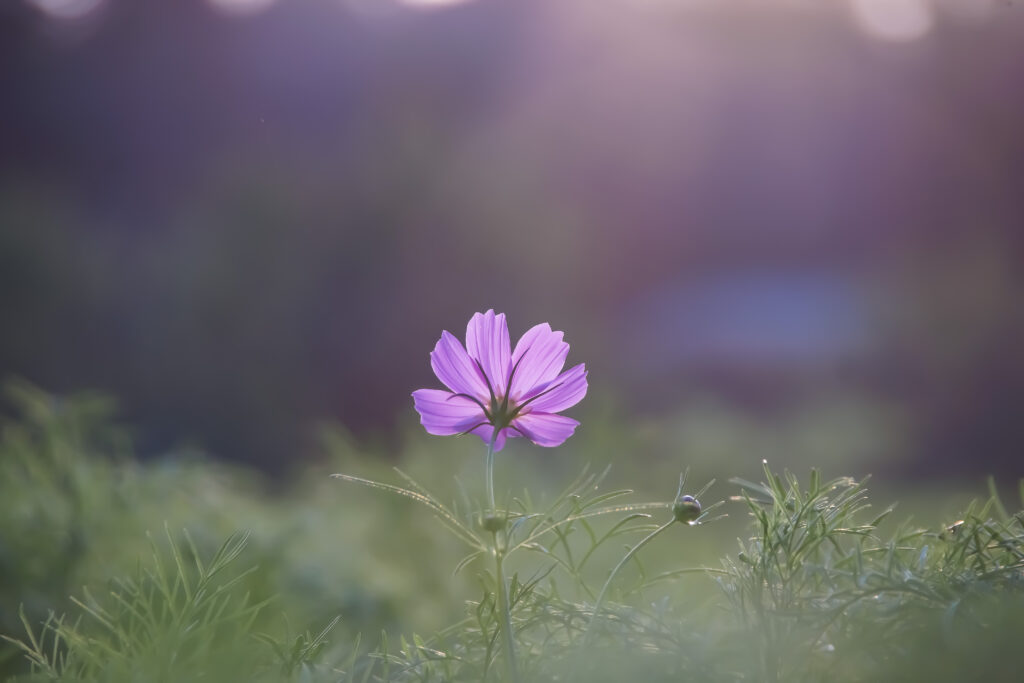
(241, 7)
(67, 9)
(893, 20)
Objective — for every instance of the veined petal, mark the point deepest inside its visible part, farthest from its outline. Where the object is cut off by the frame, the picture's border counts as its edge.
(455, 369)
(485, 432)
(444, 413)
(538, 358)
(487, 341)
(545, 429)
(565, 391)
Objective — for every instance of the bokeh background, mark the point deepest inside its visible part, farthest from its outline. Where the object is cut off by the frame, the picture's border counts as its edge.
(788, 229)
(782, 230)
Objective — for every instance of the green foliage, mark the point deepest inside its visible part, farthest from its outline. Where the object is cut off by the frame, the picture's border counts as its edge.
(603, 585)
(554, 606)
(817, 592)
(75, 510)
(60, 475)
(563, 535)
(177, 619)
(820, 593)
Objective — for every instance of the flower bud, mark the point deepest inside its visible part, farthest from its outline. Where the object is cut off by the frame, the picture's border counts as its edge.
(686, 509)
(492, 523)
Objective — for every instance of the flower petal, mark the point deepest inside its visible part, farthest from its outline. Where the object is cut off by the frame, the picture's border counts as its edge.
(487, 341)
(444, 413)
(455, 369)
(485, 432)
(538, 358)
(563, 392)
(545, 429)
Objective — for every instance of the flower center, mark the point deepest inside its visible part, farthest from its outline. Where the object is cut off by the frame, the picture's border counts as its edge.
(501, 412)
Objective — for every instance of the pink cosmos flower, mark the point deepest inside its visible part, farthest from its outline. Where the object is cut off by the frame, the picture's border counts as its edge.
(518, 392)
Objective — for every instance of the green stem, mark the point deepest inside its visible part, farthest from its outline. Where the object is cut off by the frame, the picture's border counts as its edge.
(499, 571)
(503, 606)
(489, 476)
(604, 589)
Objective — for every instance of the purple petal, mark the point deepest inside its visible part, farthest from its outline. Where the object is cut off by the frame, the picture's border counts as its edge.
(485, 432)
(455, 369)
(444, 413)
(487, 341)
(565, 391)
(545, 429)
(540, 355)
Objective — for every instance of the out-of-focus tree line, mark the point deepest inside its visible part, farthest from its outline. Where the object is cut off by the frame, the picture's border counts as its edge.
(239, 225)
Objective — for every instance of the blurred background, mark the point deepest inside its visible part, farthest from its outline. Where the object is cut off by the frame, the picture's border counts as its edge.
(231, 231)
(788, 229)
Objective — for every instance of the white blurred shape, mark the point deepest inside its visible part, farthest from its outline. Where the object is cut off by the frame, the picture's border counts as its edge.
(67, 9)
(894, 20)
(241, 7)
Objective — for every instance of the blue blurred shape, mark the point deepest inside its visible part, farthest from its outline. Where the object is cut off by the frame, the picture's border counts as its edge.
(762, 318)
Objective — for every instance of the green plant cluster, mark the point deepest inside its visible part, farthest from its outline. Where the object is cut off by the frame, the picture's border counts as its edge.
(78, 512)
(822, 588)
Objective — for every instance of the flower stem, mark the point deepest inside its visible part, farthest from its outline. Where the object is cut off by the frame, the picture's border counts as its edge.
(503, 607)
(499, 571)
(604, 589)
(489, 476)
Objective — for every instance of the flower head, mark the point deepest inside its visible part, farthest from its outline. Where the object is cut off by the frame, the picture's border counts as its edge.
(516, 392)
(686, 509)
